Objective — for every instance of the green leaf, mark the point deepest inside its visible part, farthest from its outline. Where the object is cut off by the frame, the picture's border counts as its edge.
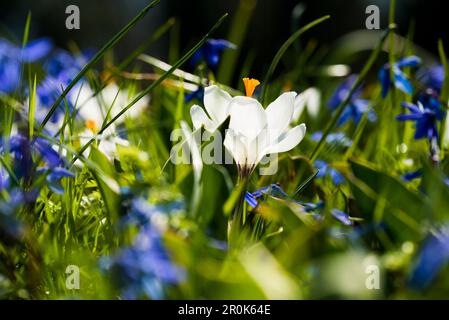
(405, 212)
(106, 183)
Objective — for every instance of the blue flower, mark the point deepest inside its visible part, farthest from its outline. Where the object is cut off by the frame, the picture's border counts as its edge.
(141, 211)
(356, 106)
(433, 256)
(143, 269)
(61, 68)
(273, 190)
(326, 170)
(195, 95)
(432, 77)
(36, 50)
(63, 64)
(343, 217)
(400, 79)
(23, 149)
(54, 176)
(12, 57)
(211, 52)
(425, 117)
(409, 176)
(338, 138)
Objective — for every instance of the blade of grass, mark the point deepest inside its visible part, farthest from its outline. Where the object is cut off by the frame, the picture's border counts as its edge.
(26, 32)
(305, 184)
(32, 108)
(283, 49)
(157, 82)
(110, 44)
(357, 83)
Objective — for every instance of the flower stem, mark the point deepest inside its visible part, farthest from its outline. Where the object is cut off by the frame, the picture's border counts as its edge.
(236, 223)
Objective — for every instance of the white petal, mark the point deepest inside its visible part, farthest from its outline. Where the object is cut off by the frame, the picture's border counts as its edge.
(288, 140)
(300, 104)
(309, 98)
(216, 102)
(88, 106)
(233, 143)
(194, 149)
(313, 101)
(248, 117)
(200, 118)
(279, 114)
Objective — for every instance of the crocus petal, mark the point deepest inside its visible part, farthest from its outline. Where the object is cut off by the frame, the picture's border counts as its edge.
(288, 140)
(200, 118)
(194, 149)
(233, 143)
(216, 102)
(279, 114)
(309, 98)
(248, 117)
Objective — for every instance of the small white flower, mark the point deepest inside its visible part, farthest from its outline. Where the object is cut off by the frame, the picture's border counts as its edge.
(93, 110)
(308, 99)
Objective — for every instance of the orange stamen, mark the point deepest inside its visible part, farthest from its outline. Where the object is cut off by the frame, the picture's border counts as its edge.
(250, 86)
(91, 125)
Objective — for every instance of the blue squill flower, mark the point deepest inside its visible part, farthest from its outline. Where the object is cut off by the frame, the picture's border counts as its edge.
(425, 117)
(12, 57)
(337, 138)
(343, 217)
(142, 212)
(356, 106)
(400, 79)
(211, 51)
(195, 95)
(54, 176)
(273, 190)
(61, 68)
(432, 257)
(410, 176)
(145, 268)
(327, 171)
(65, 65)
(432, 77)
(22, 149)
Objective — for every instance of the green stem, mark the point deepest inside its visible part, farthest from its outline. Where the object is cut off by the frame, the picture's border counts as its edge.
(237, 220)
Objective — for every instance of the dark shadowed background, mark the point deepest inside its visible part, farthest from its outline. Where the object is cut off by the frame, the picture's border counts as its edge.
(270, 24)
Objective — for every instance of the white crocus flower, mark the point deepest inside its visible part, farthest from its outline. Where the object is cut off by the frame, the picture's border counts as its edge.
(216, 102)
(308, 99)
(255, 132)
(94, 109)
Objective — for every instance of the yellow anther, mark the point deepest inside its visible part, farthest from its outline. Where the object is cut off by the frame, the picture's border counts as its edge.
(91, 125)
(250, 86)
